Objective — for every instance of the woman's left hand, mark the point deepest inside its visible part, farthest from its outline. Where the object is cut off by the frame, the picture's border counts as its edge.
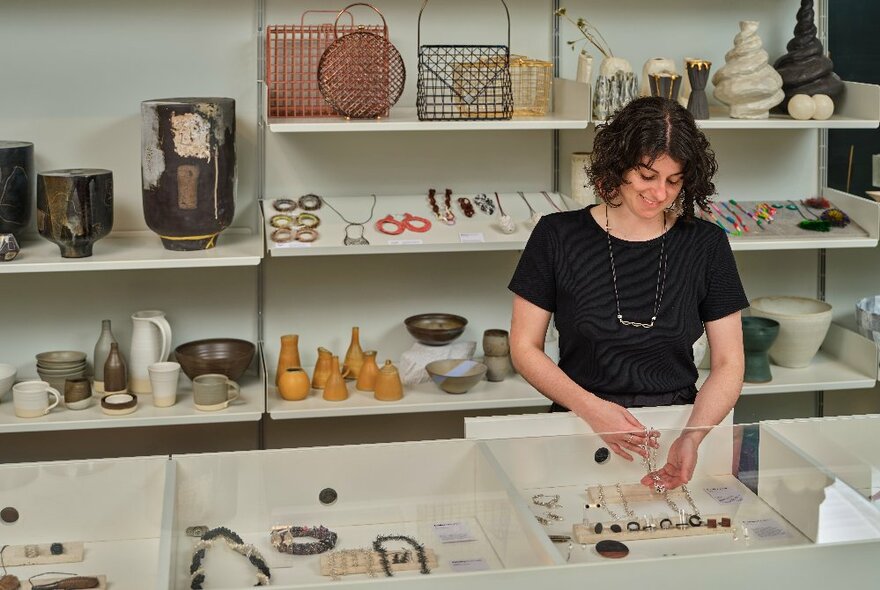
(680, 463)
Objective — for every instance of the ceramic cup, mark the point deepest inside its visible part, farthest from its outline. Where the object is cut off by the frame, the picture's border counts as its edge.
(30, 398)
(214, 392)
(163, 380)
(496, 343)
(759, 334)
(498, 368)
(77, 393)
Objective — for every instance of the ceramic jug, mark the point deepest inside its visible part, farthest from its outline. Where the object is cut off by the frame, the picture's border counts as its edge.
(354, 358)
(293, 384)
(335, 389)
(388, 385)
(366, 380)
(288, 358)
(150, 343)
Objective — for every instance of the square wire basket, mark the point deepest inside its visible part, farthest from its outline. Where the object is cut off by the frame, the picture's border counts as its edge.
(532, 81)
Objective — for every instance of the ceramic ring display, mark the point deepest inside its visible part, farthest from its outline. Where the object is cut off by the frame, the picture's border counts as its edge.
(281, 221)
(284, 205)
(803, 324)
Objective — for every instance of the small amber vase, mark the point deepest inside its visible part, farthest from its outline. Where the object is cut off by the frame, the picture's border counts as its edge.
(366, 380)
(388, 385)
(354, 358)
(322, 368)
(288, 358)
(294, 384)
(335, 389)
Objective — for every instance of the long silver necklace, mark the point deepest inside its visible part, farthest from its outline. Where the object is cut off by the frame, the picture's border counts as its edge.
(348, 240)
(604, 502)
(661, 277)
(650, 462)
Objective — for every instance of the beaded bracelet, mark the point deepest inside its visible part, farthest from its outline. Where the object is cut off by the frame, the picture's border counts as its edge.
(383, 553)
(234, 542)
(282, 538)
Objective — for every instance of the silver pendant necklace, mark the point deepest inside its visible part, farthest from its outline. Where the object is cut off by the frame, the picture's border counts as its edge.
(661, 277)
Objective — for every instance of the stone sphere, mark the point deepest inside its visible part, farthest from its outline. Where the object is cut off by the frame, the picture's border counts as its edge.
(801, 107)
(824, 107)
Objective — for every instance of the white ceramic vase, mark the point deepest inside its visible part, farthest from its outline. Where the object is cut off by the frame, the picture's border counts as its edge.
(655, 65)
(150, 343)
(747, 83)
(803, 324)
(585, 68)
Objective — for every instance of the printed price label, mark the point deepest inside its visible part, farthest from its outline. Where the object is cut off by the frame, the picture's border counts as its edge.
(453, 532)
(468, 565)
(725, 495)
(765, 529)
(466, 238)
(404, 242)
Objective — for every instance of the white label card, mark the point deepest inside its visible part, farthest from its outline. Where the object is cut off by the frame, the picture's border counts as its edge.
(471, 237)
(404, 242)
(293, 245)
(765, 529)
(725, 495)
(453, 532)
(468, 565)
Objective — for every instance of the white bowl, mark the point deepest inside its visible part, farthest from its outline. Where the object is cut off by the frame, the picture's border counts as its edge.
(803, 324)
(7, 378)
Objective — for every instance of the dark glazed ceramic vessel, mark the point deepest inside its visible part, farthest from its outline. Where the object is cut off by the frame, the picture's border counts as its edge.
(16, 186)
(665, 85)
(188, 169)
(435, 329)
(227, 356)
(75, 208)
(758, 336)
(698, 75)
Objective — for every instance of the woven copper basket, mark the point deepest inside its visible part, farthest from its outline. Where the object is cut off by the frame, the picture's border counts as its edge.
(293, 53)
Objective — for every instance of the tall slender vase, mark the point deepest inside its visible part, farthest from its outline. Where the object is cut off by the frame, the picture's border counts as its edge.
(698, 75)
(75, 208)
(288, 358)
(150, 343)
(115, 373)
(366, 380)
(335, 389)
(102, 351)
(354, 357)
(16, 186)
(584, 67)
(188, 169)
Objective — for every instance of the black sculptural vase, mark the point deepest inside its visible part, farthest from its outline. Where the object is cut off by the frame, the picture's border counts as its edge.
(698, 75)
(16, 186)
(75, 208)
(188, 169)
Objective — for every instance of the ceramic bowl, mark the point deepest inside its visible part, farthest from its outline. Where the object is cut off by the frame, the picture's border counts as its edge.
(435, 329)
(803, 324)
(7, 378)
(456, 375)
(65, 371)
(60, 356)
(227, 356)
(867, 318)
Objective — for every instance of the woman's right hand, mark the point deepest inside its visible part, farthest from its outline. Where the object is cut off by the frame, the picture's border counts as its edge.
(623, 433)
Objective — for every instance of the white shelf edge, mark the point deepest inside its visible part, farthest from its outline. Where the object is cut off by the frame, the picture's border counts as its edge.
(425, 397)
(845, 361)
(139, 250)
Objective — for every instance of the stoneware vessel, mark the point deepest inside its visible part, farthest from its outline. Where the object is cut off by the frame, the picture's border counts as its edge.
(102, 350)
(456, 375)
(867, 318)
(188, 169)
(746, 82)
(366, 380)
(213, 391)
(115, 371)
(75, 208)
(164, 377)
(9, 247)
(616, 86)
(758, 335)
(335, 389)
(288, 358)
(498, 368)
(698, 76)
(294, 384)
(150, 343)
(496, 342)
(655, 65)
(354, 357)
(322, 368)
(803, 324)
(388, 386)
(77, 393)
(30, 400)
(16, 186)
(584, 68)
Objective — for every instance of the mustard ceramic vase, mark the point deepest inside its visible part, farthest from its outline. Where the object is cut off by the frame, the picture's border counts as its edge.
(354, 358)
(366, 380)
(294, 384)
(288, 358)
(335, 389)
(388, 385)
(322, 368)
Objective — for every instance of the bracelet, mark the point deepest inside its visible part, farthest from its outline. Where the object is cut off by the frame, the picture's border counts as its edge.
(383, 553)
(281, 221)
(282, 236)
(234, 542)
(282, 538)
(310, 202)
(409, 219)
(485, 204)
(308, 220)
(284, 205)
(305, 234)
(546, 501)
(466, 206)
(389, 220)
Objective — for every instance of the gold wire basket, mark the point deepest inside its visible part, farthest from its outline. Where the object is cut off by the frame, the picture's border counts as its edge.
(531, 80)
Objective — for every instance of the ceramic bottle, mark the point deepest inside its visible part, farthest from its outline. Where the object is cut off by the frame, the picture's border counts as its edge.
(102, 351)
(288, 358)
(354, 358)
(388, 385)
(294, 384)
(150, 343)
(322, 368)
(366, 380)
(115, 374)
(335, 389)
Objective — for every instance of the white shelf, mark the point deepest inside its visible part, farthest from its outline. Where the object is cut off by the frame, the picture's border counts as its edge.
(480, 232)
(845, 361)
(249, 408)
(571, 110)
(138, 250)
(425, 397)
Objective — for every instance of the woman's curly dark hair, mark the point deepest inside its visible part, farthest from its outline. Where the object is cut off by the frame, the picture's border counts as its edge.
(649, 128)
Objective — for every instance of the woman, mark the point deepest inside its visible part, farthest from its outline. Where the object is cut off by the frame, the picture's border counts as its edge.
(632, 282)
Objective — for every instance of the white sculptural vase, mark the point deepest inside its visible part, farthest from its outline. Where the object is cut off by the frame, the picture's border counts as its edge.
(150, 343)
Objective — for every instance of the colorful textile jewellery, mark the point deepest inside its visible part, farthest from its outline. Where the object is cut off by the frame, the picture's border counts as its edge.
(283, 538)
(234, 542)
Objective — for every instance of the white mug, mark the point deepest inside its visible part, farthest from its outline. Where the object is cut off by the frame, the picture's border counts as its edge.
(30, 399)
(163, 380)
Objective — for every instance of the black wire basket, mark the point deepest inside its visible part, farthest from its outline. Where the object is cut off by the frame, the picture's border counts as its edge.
(464, 82)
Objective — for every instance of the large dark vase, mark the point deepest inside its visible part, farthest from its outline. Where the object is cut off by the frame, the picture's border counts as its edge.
(75, 208)
(16, 186)
(758, 336)
(188, 169)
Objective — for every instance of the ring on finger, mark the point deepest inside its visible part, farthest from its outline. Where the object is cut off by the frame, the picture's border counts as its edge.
(628, 439)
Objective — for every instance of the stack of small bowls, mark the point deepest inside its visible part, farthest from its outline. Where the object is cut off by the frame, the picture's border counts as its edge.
(57, 366)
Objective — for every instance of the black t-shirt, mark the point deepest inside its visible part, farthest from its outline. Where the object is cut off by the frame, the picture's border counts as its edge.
(566, 269)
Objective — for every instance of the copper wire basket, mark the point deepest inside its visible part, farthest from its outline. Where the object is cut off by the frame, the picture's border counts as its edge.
(293, 53)
(362, 75)
(532, 81)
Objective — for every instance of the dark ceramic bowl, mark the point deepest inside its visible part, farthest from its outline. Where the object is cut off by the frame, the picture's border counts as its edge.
(435, 329)
(228, 356)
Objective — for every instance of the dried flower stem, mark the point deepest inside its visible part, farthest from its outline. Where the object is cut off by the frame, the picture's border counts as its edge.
(587, 29)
